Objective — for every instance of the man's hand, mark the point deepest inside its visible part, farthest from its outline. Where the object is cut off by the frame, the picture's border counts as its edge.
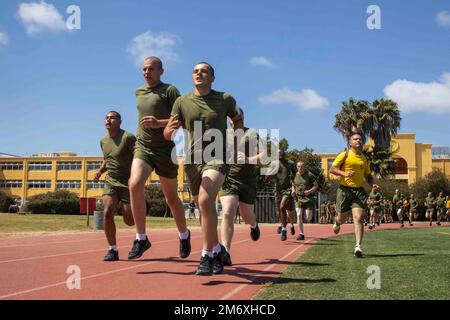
(150, 122)
(173, 125)
(241, 158)
(97, 176)
(349, 174)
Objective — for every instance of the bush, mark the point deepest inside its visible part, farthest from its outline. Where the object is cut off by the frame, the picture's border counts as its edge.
(5, 202)
(156, 202)
(60, 202)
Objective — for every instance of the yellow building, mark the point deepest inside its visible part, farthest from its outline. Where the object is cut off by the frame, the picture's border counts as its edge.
(22, 177)
(412, 160)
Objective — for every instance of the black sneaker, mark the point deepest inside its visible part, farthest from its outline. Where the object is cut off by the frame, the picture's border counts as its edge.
(255, 233)
(301, 237)
(370, 227)
(431, 224)
(438, 223)
(112, 255)
(139, 247)
(205, 268)
(218, 261)
(279, 229)
(185, 246)
(226, 258)
(402, 225)
(292, 230)
(283, 235)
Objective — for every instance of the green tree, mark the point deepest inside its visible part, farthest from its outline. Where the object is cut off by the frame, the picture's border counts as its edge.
(435, 181)
(284, 144)
(5, 202)
(156, 202)
(379, 122)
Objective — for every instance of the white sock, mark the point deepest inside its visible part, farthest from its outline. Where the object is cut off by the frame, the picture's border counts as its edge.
(283, 229)
(227, 249)
(254, 226)
(114, 247)
(217, 248)
(141, 236)
(184, 235)
(206, 253)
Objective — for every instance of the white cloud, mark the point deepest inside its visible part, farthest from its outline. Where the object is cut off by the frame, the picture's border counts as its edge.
(262, 61)
(150, 44)
(3, 39)
(39, 17)
(305, 99)
(420, 96)
(443, 18)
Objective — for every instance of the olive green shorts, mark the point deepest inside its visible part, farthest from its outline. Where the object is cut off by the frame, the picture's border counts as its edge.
(349, 198)
(283, 194)
(245, 189)
(122, 193)
(305, 205)
(195, 172)
(158, 158)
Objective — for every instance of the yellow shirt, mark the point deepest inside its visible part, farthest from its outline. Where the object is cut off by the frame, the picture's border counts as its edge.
(356, 163)
(448, 204)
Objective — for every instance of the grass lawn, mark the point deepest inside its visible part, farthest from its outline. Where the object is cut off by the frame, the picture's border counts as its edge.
(14, 223)
(414, 264)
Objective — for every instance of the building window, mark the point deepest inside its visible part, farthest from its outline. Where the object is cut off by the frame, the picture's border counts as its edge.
(94, 165)
(44, 166)
(35, 184)
(76, 165)
(6, 184)
(95, 185)
(68, 184)
(401, 167)
(11, 166)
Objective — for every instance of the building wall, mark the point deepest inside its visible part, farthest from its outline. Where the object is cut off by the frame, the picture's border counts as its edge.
(54, 175)
(441, 164)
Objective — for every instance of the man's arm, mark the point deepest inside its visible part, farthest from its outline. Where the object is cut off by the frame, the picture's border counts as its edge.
(172, 126)
(341, 173)
(100, 171)
(151, 122)
(314, 188)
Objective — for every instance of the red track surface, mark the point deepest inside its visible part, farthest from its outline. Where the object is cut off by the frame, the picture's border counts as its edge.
(34, 267)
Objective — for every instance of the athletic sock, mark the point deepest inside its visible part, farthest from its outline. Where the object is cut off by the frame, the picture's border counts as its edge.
(206, 253)
(217, 248)
(114, 247)
(141, 236)
(283, 229)
(253, 226)
(184, 235)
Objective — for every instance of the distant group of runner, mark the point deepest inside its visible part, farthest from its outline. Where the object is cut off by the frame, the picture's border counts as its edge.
(130, 159)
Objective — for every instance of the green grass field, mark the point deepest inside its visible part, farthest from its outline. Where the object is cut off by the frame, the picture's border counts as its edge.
(414, 264)
(18, 224)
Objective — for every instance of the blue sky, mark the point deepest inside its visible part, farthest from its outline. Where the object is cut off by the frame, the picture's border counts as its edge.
(289, 64)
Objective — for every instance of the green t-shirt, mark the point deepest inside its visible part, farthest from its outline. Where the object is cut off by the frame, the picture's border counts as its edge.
(158, 102)
(413, 204)
(248, 140)
(118, 153)
(211, 111)
(302, 183)
(430, 202)
(440, 202)
(285, 175)
(375, 196)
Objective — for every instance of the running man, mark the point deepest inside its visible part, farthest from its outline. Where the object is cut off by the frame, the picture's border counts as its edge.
(283, 187)
(117, 147)
(154, 104)
(447, 207)
(430, 203)
(353, 168)
(413, 205)
(207, 110)
(374, 201)
(440, 207)
(239, 188)
(304, 186)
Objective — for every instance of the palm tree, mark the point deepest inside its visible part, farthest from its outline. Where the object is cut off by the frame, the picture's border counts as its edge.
(385, 122)
(379, 121)
(355, 115)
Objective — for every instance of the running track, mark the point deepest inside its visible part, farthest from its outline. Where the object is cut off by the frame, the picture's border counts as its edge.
(34, 267)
